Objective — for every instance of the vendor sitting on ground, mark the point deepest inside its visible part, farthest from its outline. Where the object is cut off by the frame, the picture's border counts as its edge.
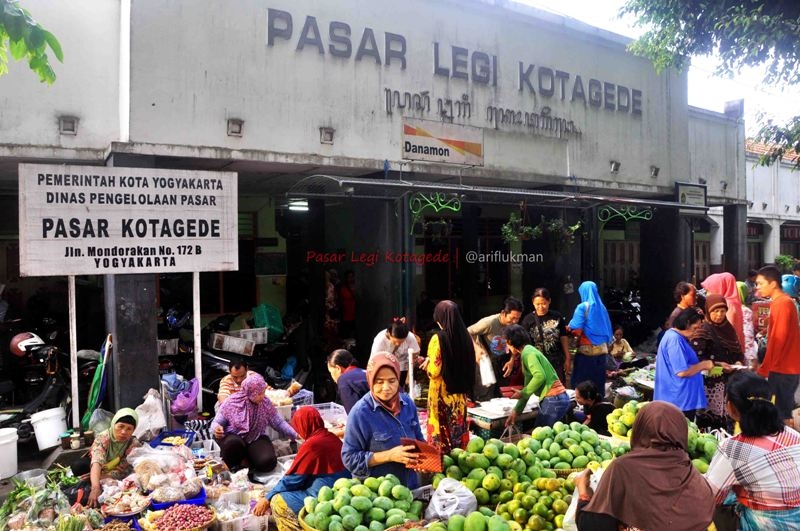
(318, 464)
(107, 457)
(377, 423)
(241, 424)
(595, 409)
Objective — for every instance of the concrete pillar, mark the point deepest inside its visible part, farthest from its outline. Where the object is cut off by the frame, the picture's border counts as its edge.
(735, 239)
(467, 273)
(665, 244)
(130, 302)
(772, 240)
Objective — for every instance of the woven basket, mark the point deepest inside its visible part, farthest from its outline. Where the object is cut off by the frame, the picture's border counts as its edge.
(621, 437)
(302, 517)
(564, 472)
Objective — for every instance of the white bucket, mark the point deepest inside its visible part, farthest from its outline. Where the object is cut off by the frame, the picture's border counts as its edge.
(8, 452)
(48, 425)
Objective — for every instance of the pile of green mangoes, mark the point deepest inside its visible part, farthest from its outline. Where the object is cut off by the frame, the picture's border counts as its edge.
(702, 447)
(474, 521)
(620, 421)
(491, 469)
(374, 505)
(538, 505)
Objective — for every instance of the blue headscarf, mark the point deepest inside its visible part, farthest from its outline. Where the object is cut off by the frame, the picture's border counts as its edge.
(789, 285)
(595, 323)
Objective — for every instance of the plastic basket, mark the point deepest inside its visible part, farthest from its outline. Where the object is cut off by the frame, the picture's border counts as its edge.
(332, 412)
(303, 397)
(301, 517)
(232, 344)
(265, 315)
(133, 521)
(285, 411)
(186, 434)
(208, 449)
(430, 457)
(200, 499)
(256, 335)
(423, 493)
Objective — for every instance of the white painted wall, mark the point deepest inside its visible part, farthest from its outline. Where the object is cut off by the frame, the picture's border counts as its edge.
(186, 83)
(716, 155)
(87, 81)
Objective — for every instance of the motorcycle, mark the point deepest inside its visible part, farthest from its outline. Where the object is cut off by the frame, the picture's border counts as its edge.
(625, 309)
(53, 391)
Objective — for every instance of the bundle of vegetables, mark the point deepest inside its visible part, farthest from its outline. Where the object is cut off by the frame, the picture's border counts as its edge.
(32, 508)
(68, 522)
(61, 476)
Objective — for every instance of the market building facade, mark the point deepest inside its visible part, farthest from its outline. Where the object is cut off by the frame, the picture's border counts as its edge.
(393, 143)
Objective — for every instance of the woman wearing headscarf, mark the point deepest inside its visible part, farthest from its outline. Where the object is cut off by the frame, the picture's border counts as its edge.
(750, 345)
(450, 354)
(107, 457)
(716, 340)
(725, 284)
(376, 424)
(318, 464)
(241, 424)
(790, 285)
(591, 324)
(653, 487)
(761, 465)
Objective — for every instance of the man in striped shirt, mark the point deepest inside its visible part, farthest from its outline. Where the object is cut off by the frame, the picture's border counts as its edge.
(231, 383)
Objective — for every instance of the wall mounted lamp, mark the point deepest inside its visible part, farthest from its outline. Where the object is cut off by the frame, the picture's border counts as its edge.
(750, 204)
(615, 165)
(786, 208)
(654, 171)
(797, 208)
(68, 125)
(235, 127)
(298, 205)
(701, 180)
(763, 206)
(724, 185)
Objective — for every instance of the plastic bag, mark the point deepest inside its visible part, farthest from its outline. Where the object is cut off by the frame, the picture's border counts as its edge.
(151, 417)
(451, 497)
(186, 401)
(487, 372)
(100, 420)
(569, 523)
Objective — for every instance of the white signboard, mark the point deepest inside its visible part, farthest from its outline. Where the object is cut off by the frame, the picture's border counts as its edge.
(442, 142)
(690, 194)
(96, 220)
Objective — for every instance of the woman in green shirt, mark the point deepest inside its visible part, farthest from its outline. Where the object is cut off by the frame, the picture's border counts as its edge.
(540, 380)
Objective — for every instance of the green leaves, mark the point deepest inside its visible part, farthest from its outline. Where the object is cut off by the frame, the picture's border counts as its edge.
(24, 38)
(740, 33)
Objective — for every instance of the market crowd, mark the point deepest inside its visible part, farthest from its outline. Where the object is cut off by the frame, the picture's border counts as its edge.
(712, 366)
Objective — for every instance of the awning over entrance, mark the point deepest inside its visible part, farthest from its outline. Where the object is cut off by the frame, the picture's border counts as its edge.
(330, 186)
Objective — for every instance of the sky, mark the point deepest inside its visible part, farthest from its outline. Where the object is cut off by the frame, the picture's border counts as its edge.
(706, 90)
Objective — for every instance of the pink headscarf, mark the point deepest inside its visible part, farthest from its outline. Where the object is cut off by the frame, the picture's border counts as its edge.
(725, 284)
(246, 418)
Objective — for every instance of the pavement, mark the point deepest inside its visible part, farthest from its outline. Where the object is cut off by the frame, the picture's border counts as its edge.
(29, 457)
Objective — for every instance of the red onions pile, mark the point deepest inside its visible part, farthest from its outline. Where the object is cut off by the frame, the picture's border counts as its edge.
(182, 516)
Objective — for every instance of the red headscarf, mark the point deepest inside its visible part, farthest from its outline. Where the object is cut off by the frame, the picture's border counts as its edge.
(376, 363)
(321, 451)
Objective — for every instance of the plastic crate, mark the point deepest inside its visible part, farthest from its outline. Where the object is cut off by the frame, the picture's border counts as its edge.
(187, 434)
(256, 335)
(285, 411)
(232, 344)
(424, 493)
(303, 397)
(208, 449)
(200, 499)
(167, 347)
(331, 412)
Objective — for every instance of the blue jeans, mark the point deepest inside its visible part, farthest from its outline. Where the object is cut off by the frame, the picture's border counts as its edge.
(551, 409)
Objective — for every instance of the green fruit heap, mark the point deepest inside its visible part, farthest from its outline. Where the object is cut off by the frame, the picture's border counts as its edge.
(375, 505)
(537, 505)
(475, 521)
(702, 447)
(565, 447)
(620, 421)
